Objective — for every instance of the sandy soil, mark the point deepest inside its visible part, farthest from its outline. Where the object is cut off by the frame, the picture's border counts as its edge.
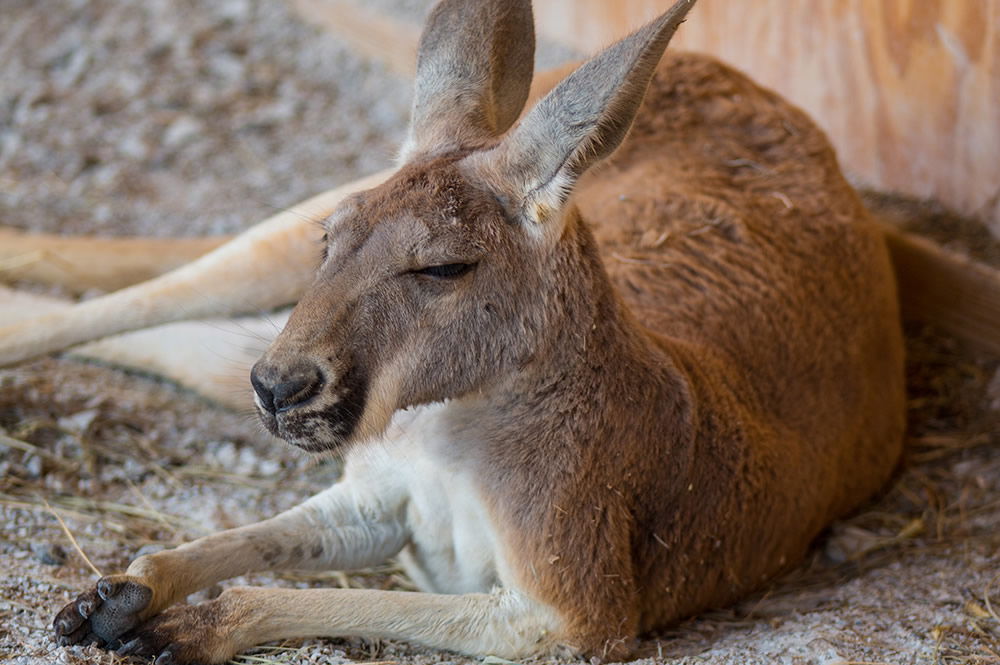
(172, 117)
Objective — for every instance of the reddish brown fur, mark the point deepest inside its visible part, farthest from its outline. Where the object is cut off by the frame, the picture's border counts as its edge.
(767, 398)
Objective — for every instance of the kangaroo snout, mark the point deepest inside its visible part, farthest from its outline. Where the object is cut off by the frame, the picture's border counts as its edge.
(310, 404)
(280, 386)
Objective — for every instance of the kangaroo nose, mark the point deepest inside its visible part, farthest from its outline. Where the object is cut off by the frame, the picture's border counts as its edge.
(281, 389)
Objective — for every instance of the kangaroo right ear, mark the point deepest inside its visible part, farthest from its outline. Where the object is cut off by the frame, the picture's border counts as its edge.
(536, 165)
(474, 70)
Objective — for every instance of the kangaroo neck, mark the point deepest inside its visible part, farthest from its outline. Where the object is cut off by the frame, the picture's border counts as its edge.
(598, 367)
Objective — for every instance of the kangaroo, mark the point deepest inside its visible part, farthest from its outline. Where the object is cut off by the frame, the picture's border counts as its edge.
(577, 404)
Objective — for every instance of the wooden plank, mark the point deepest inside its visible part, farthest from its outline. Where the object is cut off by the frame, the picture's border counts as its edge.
(908, 90)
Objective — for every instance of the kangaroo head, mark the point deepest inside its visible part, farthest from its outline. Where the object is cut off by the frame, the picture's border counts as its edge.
(459, 270)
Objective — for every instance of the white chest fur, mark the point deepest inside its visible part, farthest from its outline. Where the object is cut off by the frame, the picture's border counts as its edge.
(452, 545)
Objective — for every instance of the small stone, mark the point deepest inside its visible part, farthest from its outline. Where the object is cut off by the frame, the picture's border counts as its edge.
(51, 554)
(79, 421)
(269, 467)
(35, 466)
(234, 10)
(182, 130)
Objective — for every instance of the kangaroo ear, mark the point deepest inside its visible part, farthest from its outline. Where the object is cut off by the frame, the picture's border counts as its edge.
(535, 167)
(474, 69)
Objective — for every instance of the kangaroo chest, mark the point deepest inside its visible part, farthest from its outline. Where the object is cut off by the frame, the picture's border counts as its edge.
(453, 547)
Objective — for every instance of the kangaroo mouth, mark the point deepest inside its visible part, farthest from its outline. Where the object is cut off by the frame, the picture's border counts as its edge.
(326, 421)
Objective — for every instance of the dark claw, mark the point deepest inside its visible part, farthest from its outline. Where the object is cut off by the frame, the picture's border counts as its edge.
(129, 647)
(105, 588)
(64, 625)
(73, 616)
(165, 658)
(86, 607)
(72, 637)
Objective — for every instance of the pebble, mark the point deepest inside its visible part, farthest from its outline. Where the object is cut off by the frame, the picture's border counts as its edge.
(182, 130)
(51, 554)
(79, 421)
(156, 91)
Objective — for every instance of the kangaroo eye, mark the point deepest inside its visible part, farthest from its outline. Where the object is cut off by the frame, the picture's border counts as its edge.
(446, 271)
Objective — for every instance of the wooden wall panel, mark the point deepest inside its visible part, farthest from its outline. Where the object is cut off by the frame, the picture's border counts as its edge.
(908, 90)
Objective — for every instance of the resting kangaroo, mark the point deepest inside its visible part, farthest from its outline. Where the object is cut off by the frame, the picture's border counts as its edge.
(577, 404)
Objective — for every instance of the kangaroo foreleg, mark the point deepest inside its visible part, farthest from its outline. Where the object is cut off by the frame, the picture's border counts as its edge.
(342, 528)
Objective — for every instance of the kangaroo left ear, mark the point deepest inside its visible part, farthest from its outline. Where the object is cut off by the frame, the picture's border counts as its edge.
(535, 167)
(474, 69)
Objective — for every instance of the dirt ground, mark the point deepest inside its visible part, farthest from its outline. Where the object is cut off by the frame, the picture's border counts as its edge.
(176, 117)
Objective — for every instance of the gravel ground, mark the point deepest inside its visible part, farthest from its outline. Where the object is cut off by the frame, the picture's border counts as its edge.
(175, 117)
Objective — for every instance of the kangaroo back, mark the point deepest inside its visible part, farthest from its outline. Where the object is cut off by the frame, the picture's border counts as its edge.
(728, 229)
(727, 226)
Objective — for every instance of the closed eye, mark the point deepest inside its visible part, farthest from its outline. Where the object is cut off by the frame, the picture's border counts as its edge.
(446, 271)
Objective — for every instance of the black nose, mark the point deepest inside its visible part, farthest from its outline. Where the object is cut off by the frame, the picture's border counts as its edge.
(283, 388)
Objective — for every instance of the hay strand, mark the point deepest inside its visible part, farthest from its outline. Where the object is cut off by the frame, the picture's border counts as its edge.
(72, 539)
